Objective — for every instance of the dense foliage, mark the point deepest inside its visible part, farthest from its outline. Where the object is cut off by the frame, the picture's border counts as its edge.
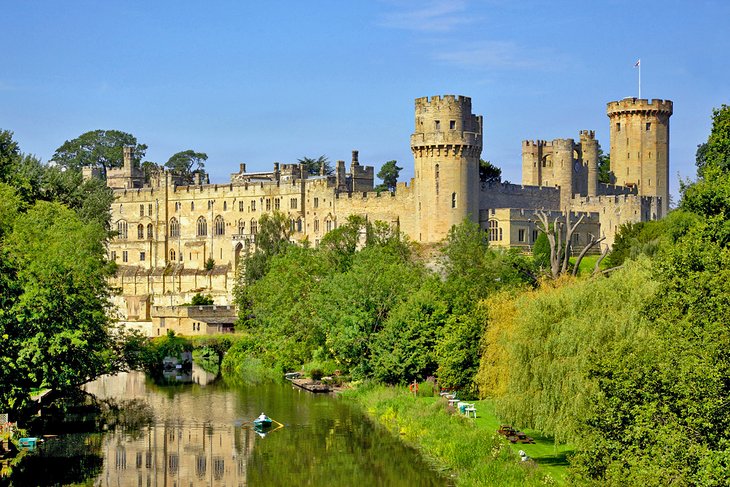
(365, 303)
(53, 279)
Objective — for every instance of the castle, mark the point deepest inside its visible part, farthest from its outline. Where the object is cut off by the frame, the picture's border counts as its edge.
(176, 240)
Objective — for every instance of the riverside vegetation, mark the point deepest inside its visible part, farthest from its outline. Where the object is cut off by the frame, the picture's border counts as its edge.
(628, 366)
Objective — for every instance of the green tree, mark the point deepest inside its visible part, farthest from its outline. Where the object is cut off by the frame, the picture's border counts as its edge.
(272, 239)
(605, 175)
(187, 163)
(313, 166)
(716, 151)
(488, 172)
(389, 175)
(98, 148)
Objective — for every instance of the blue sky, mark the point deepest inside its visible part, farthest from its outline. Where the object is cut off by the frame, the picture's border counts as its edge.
(259, 82)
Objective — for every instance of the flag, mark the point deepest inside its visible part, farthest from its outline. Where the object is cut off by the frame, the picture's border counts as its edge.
(638, 63)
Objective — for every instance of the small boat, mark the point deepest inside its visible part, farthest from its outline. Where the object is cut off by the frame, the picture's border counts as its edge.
(29, 443)
(262, 422)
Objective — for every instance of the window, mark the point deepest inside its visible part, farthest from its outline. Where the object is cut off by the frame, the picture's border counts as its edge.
(241, 226)
(520, 235)
(453, 200)
(277, 203)
(125, 256)
(122, 230)
(172, 255)
(268, 204)
(225, 205)
(253, 205)
(328, 225)
(293, 204)
(316, 225)
(220, 226)
(299, 225)
(291, 225)
(240, 206)
(150, 232)
(177, 206)
(149, 209)
(254, 226)
(210, 204)
(452, 124)
(140, 231)
(437, 125)
(174, 227)
(141, 210)
(493, 230)
(141, 256)
(201, 227)
(316, 202)
(648, 126)
(114, 255)
(618, 126)
(192, 205)
(436, 175)
(534, 236)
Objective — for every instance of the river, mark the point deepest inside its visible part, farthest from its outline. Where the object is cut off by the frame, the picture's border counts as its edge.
(201, 437)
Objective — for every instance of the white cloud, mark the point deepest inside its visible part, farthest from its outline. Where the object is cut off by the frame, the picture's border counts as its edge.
(496, 55)
(427, 16)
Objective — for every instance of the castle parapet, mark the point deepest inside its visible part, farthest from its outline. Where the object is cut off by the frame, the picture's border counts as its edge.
(640, 105)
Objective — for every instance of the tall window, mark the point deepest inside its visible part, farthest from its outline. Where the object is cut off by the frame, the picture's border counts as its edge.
(254, 226)
(150, 232)
(174, 228)
(201, 227)
(192, 205)
(453, 200)
(493, 230)
(253, 205)
(521, 235)
(141, 210)
(240, 206)
(149, 209)
(210, 204)
(268, 204)
(277, 203)
(293, 203)
(172, 255)
(436, 174)
(316, 225)
(220, 226)
(125, 256)
(122, 230)
(316, 202)
(140, 231)
(241, 226)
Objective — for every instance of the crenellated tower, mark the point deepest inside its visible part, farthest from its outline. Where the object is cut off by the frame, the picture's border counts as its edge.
(446, 145)
(589, 152)
(639, 131)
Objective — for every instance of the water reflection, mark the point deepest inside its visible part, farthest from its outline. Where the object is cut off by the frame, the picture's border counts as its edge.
(202, 436)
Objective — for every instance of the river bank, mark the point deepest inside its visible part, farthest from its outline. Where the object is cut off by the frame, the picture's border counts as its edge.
(468, 450)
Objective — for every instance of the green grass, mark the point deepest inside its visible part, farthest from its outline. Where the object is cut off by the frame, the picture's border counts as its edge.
(587, 264)
(469, 450)
(550, 457)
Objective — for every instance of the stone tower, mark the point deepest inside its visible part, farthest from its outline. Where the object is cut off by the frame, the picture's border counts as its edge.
(589, 151)
(446, 145)
(639, 131)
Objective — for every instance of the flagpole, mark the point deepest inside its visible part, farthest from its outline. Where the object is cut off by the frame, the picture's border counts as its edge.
(639, 78)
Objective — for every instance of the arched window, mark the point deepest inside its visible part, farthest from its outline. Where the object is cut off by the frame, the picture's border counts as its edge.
(122, 230)
(220, 226)
(299, 225)
(140, 231)
(241, 226)
(201, 227)
(174, 227)
(493, 230)
(150, 232)
(254, 226)
(192, 205)
(172, 255)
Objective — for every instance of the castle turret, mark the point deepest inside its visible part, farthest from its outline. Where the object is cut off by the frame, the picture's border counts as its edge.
(446, 145)
(563, 161)
(640, 146)
(589, 151)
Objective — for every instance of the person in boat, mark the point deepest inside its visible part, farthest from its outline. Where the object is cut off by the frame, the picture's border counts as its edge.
(263, 417)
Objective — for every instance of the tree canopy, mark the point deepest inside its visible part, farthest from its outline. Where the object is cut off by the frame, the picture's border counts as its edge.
(389, 175)
(488, 172)
(186, 163)
(314, 165)
(98, 148)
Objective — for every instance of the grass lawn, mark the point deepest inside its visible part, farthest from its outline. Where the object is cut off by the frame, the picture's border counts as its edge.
(586, 265)
(551, 459)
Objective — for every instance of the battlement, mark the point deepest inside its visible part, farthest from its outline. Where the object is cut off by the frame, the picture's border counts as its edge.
(587, 135)
(639, 104)
(444, 100)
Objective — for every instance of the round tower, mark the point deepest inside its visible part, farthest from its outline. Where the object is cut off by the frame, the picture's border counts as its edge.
(446, 145)
(589, 150)
(639, 131)
(563, 161)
